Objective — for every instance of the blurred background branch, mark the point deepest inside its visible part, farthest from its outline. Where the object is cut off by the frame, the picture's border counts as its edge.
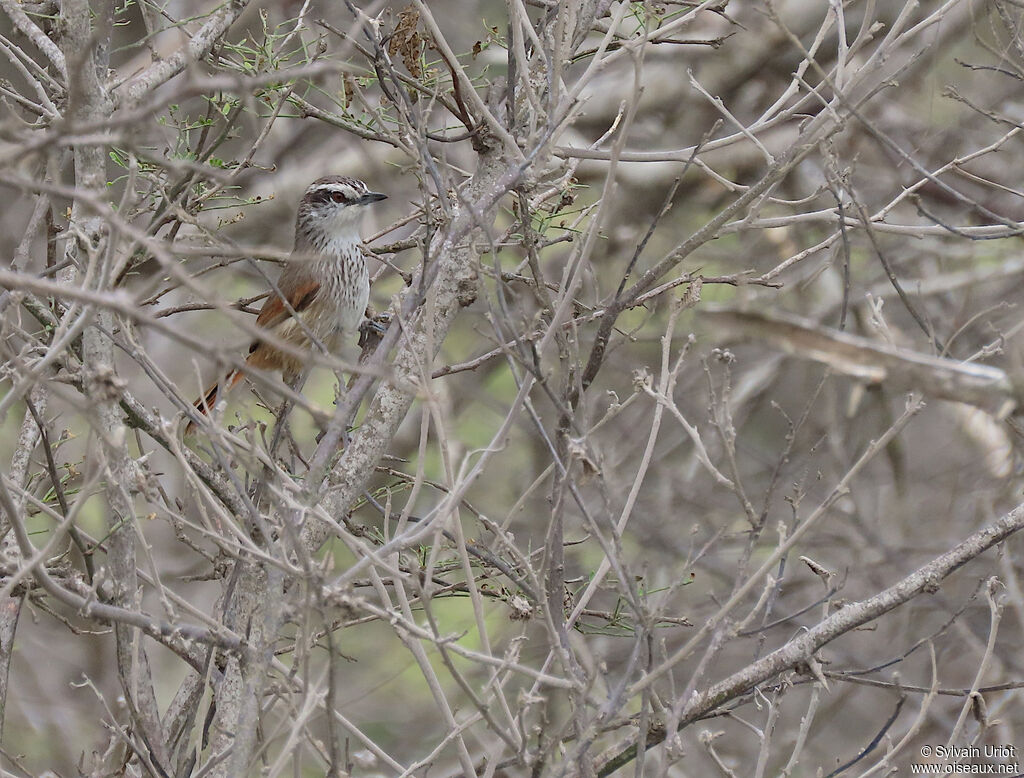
(650, 290)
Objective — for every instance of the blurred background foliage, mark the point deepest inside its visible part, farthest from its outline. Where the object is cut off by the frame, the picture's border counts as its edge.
(205, 189)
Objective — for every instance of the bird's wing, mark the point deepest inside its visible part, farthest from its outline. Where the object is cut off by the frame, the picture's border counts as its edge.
(300, 297)
(274, 310)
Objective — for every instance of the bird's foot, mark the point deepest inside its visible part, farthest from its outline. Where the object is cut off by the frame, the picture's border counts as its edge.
(374, 325)
(371, 331)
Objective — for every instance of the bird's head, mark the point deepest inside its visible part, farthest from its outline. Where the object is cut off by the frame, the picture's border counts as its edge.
(332, 208)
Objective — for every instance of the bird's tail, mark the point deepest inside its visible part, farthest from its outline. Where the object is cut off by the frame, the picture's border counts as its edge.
(207, 401)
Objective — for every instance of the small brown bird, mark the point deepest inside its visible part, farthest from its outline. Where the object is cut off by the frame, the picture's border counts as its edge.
(325, 282)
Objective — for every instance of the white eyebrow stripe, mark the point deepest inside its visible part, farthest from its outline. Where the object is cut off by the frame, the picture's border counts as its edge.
(343, 188)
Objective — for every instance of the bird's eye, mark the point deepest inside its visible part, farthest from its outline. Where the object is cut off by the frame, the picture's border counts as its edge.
(338, 197)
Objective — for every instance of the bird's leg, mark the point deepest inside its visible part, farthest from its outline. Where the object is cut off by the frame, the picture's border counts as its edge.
(371, 330)
(295, 382)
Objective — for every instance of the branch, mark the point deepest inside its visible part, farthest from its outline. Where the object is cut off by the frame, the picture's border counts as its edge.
(986, 387)
(925, 579)
(130, 93)
(31, 30)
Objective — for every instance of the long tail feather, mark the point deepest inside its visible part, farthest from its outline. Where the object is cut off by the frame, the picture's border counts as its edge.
(207, 401)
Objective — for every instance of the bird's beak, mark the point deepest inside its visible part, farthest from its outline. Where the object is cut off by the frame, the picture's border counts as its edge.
(371, 197)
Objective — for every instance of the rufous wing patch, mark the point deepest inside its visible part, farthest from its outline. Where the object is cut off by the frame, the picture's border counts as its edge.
(274, 311)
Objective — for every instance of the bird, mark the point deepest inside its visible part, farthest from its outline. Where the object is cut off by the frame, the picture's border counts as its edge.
(324, 287)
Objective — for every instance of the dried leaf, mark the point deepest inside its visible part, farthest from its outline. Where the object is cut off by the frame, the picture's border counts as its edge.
(407, 41)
